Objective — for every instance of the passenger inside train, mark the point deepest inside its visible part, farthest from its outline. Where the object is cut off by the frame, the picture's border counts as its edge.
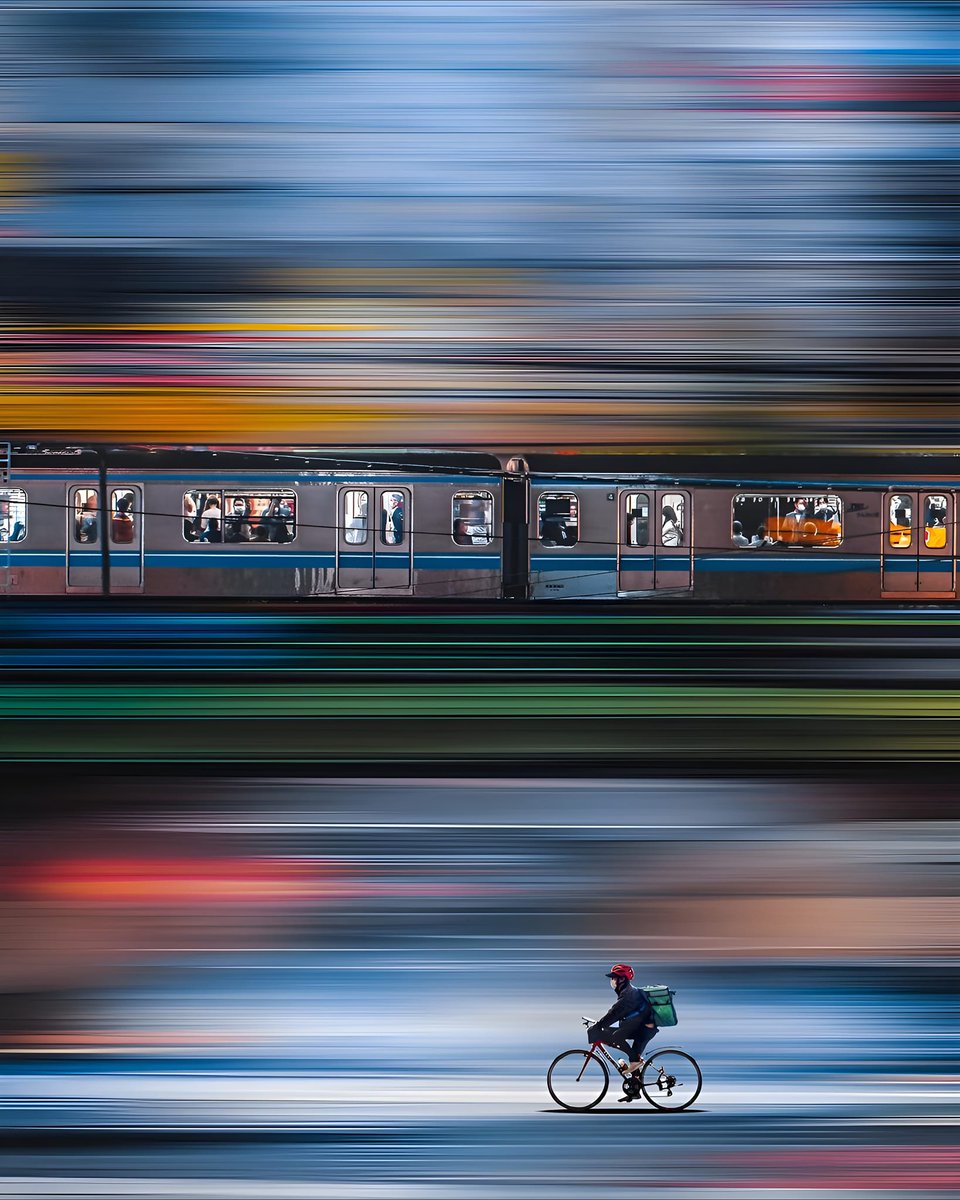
(13, 515)
(764, 520)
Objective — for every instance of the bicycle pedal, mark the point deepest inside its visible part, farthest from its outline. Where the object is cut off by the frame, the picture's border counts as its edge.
(624, 1099)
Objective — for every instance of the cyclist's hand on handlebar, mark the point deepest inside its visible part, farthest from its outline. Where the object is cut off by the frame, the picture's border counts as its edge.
(586, 1021)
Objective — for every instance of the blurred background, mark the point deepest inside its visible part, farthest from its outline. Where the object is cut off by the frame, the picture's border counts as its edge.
(302, 905)
(631, 222)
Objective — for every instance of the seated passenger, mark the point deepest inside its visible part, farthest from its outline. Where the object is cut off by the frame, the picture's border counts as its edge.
(738, 536)
(11, 529)
(470, 533)
(554, 532)
(761, 538)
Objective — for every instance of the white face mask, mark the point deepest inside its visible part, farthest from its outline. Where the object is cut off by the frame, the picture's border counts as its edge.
(613, 984)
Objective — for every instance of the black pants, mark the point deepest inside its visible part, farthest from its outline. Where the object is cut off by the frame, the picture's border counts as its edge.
(631, 1036)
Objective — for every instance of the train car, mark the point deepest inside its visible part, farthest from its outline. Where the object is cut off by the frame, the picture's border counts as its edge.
(289, 523)
(743, 530)
(244, 524)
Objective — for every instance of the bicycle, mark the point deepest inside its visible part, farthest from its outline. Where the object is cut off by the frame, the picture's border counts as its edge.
(670, 1079)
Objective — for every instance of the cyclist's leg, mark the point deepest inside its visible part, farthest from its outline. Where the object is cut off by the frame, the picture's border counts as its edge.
(609, 1037)
(641, 1040)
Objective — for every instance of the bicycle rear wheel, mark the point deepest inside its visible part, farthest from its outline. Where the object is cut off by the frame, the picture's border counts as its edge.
(578, 1080)
(671, 1080)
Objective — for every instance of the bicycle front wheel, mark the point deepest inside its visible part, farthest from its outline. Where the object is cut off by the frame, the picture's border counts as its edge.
(671, 1080)
(578, 1080)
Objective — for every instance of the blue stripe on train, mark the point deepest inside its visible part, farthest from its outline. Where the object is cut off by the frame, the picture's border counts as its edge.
(260, 558)
(758, 561)
(574, 563)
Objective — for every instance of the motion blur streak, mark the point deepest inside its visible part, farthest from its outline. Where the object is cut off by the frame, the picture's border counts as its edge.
(229, 1040)
(103, 683)
(591, 222)
(301, 903)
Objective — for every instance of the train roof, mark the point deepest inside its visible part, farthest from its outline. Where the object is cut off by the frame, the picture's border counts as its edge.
(38, 454)
(743, 469)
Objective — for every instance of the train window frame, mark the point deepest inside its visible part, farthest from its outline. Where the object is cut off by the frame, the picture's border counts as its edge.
(364, 529)
(116, 495)
(895, 532)
(486, 498)
(541, 513)
(382, 514)
(677, 503)
(786, 499)
(940, 541)
(10, 496)
(225, 496)
(629, 514)
(81, 496)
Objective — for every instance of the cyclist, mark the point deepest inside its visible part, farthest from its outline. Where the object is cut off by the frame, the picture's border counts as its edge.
(631, 1013)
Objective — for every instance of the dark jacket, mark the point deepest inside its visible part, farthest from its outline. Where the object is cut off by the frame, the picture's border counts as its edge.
(630, 1002)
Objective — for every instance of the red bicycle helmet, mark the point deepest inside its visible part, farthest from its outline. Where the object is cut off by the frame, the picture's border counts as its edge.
(620, 970)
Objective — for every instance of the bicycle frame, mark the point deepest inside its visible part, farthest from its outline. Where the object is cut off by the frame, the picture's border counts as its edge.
(604, 1054)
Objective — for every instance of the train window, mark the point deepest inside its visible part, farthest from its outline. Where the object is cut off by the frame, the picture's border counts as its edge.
(122, 516)
(638, 519)
(472, 518)
(935, 522)
(672, 519)
(13, 514)
(790, 520)
(203, 515)
(392, 519)
(240, 517)
(356, 520)
(901, 521)
(86, 515)
(558, 519)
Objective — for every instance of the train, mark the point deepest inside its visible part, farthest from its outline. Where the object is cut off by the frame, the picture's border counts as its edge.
(281, 523)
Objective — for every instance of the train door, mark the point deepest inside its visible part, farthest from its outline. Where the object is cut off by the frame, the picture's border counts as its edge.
(655, 550)
(918, 543)
(673, 537)
(126, 537)
(83, 537)
(373, 539)
(354, 544)
(391, 559)
(636, 550)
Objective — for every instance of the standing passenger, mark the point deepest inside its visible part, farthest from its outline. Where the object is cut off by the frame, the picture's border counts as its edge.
(121, 527)
(391, 519)
(210, 521)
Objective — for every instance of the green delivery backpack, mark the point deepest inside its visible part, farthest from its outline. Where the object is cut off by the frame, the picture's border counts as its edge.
(661, 1001)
